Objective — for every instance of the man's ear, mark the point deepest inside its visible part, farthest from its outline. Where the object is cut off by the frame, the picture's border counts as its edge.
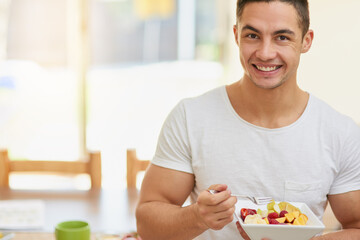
(236, 35)
(307, 41)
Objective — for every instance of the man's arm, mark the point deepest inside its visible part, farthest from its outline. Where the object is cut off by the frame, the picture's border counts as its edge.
(160, 214)
(346, 208)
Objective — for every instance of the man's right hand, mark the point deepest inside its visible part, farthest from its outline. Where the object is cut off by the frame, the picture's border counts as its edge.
(216, 210)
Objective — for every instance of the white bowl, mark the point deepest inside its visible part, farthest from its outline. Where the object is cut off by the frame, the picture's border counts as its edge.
(280, 232)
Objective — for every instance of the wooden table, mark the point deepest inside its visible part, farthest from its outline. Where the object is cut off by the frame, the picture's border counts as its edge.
(106, 211)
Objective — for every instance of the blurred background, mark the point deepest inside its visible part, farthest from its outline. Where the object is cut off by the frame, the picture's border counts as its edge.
(78, 75)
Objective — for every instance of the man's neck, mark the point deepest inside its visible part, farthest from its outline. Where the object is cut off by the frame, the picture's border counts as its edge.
(269, 108)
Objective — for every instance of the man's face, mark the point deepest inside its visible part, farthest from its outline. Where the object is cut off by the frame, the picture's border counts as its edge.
(270, 43)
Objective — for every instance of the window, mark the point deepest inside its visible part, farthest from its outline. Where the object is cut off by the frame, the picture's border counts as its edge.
(132, 66)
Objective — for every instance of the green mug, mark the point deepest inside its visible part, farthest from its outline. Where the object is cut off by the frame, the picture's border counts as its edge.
(72, 230)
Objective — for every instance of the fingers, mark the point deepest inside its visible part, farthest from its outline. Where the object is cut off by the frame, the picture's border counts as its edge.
(217, 198)
(218, 202)
(242, 232)
(216, 210)
(218, 187)
(223, 210)
(221, 195)
(227, 205)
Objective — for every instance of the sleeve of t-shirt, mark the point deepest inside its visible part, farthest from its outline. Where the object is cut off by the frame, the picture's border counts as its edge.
(348, 177)
(173, 150)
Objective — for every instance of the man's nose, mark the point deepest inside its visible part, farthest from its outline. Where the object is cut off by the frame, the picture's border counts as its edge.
(266, 51)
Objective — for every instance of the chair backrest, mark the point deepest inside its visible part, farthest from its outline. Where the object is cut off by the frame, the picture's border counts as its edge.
(91, 166)
(134, 166)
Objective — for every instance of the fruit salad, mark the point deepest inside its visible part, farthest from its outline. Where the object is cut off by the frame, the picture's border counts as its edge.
(282, 213)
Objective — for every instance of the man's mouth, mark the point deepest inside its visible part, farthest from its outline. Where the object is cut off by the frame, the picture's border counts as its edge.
(267, 68)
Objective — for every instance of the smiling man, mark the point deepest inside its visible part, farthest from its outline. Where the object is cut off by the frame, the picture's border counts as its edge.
(260, 136)
(269, 46)
(270, 39)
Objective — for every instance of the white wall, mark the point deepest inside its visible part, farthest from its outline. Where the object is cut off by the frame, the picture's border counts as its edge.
(331, 69)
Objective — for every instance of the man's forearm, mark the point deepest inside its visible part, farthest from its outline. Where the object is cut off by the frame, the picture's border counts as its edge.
(346, 234)
(158, 220)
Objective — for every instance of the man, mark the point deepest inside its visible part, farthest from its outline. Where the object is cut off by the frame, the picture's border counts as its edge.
(261, 136)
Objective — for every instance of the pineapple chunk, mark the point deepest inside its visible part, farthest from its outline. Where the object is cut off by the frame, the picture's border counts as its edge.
(291, 208)
(296, 222)
(281, 220)
(282, 205)
(296, 214)
(304, 216)
(302, 219)
(289, 217)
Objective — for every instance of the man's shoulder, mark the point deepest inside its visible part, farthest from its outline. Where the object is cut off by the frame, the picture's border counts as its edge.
(329, 116)
(324, 108)
(210, 95)
(206, 105)
(197, 104)
(216, 98)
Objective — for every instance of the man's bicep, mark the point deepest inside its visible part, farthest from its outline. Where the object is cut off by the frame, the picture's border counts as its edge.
(346, 207)
(166, 185)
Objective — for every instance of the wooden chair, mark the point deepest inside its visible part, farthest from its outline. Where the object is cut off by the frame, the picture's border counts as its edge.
(91, 166)
(134, 166)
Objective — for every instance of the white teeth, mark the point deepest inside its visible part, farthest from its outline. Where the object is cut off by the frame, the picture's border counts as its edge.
(266, 69)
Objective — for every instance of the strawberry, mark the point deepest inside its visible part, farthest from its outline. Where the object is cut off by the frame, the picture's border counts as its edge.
(246, 211)
(252, 211)
(273, 215)
(273, 221)
(282, 213)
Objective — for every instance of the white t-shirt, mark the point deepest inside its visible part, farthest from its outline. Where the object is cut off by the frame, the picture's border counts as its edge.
(317, 155)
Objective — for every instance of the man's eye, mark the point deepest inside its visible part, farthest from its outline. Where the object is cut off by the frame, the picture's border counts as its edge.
(252, 35)
(282, 38)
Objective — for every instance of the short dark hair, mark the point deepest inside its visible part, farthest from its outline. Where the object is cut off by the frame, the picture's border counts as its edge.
(301, 6)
